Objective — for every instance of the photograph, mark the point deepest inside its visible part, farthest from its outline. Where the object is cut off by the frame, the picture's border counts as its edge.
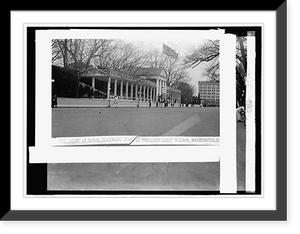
(115, 87)
(109, 87)
(148, 115)
(112, 92)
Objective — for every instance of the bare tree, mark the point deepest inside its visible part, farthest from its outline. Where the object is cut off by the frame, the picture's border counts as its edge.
(212, 71)
(56, 53)
(208, 54)
(60, 53)
(124, 57)
(78, 54)
(174, 70)
(154, 58)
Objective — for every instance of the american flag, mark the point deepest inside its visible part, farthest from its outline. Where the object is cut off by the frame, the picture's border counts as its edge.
(169, 52)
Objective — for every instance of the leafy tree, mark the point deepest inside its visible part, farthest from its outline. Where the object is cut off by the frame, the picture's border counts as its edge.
(195, 100)
(187, 91)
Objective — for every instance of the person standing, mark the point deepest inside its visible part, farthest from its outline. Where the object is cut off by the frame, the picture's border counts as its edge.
(116, 101)
(241, 115)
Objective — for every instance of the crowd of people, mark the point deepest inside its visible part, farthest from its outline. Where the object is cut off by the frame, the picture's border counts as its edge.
(165, 101)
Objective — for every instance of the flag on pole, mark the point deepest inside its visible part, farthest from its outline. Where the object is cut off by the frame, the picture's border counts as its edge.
(169, 52)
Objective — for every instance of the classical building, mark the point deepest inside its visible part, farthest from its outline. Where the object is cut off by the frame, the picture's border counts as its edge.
(147, 84)
(209, 91)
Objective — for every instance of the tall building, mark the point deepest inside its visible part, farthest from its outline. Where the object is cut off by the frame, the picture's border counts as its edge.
(209, 91)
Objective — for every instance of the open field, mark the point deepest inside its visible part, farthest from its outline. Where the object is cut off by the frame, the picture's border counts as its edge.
(97, 121)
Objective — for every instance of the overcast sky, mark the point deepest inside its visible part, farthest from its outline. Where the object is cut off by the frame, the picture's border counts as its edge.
(182, 48)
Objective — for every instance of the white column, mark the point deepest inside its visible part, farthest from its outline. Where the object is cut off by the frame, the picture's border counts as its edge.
(93, 86)
(136, 91)
(93, 82)
(144, 92)
(108, 87)
(126, 90)
(157, 89)
(121, 89)
(116, 87)
(131, 92)
(140, 89)
(151, 93)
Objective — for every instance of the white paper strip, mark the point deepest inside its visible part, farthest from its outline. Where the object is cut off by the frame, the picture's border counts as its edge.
(228, 180)
(250, 115)
(110, 154)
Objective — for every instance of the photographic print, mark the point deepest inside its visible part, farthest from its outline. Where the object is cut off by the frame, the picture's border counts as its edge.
(123, 118)
(138, 93)
(144, 92)
(132, 92)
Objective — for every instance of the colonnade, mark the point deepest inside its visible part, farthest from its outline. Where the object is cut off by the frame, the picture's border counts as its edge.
(161, 87)
(137, 90)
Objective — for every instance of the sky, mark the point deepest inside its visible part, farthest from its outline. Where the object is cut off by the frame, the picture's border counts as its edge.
(179, 40)
(182, 48)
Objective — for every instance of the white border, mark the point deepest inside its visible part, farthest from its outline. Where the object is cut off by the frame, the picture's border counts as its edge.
(18, 143)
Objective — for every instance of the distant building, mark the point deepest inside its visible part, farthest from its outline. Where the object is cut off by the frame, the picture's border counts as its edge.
(209, 91)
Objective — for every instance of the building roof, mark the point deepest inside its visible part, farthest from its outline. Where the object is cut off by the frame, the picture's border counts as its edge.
(92, 71)
(149, 71)
(79, 66)
(208, 82)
